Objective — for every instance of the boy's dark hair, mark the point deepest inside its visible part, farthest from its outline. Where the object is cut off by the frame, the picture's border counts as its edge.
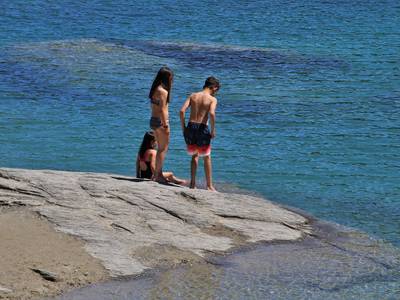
(211, 82)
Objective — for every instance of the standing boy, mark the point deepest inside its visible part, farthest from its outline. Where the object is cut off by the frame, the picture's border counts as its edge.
(197, 135)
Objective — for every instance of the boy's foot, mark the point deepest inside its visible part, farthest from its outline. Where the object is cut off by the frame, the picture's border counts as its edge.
(192, 185)
(211, 188)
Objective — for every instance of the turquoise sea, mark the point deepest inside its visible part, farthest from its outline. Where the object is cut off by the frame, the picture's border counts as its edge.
(308, 115)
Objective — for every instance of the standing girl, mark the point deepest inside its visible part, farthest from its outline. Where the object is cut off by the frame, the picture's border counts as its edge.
(159, 98)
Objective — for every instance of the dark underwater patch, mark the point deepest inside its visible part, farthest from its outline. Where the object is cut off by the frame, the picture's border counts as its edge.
(230, 57)
(68, 68)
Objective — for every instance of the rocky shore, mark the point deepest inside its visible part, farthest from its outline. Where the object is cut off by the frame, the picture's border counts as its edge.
(60, 230)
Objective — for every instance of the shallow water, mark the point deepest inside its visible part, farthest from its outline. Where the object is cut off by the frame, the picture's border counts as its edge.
(308, 111)
(335, 264)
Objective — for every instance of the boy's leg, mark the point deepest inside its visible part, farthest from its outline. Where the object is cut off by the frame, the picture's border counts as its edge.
(208, 171)
(193, 169)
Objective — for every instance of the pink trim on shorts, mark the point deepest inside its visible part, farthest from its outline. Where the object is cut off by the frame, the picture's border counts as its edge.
(201, 151)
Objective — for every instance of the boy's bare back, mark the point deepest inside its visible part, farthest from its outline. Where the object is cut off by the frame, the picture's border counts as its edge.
(200, 104)
(197, 134)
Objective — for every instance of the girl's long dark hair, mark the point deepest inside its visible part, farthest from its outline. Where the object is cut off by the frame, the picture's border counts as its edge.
(164, 78)
(147, 143)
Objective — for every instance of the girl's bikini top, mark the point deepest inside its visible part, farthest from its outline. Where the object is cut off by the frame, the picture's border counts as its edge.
(154, 101)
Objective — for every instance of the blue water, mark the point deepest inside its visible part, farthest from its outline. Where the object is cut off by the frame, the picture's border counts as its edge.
(308, 112)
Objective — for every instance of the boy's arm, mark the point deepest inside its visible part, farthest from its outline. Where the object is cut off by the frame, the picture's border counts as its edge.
(185, 106)
(213, 107)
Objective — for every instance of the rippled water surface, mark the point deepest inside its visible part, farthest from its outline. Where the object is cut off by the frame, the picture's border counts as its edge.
(308, 111)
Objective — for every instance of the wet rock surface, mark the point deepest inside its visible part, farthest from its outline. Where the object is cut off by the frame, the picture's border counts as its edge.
(333, 263)
(123, 221)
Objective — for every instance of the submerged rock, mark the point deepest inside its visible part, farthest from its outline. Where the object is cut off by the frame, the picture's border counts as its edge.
(133, 225)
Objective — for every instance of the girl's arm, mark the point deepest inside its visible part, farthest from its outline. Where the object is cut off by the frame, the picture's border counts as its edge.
(137, 166)
(153, 154)
(164, 110)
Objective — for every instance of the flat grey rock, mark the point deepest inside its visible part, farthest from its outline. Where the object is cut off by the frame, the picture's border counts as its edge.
(123, 220)
(5, 290)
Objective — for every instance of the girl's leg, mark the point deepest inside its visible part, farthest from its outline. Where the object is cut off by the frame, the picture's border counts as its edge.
(163, 141)
(171, 178)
